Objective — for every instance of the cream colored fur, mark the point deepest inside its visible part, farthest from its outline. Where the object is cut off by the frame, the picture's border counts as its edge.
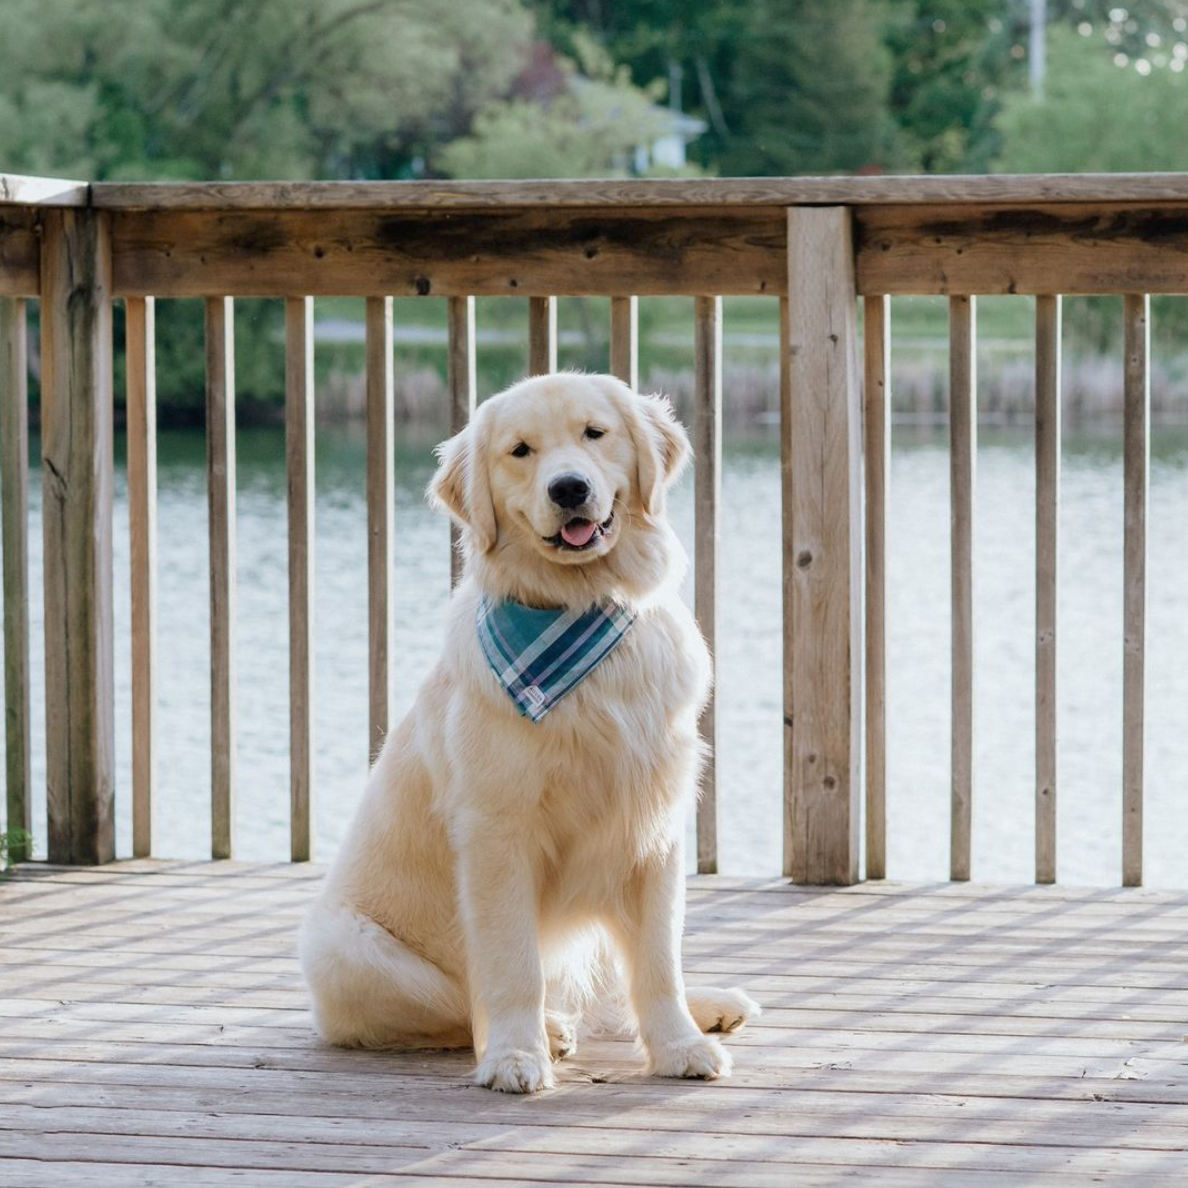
(500, 873)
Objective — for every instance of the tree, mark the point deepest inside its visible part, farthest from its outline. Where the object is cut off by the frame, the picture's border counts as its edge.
(809, 90)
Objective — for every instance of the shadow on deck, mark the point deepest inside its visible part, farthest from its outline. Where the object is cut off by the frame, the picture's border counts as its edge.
(155, 1030)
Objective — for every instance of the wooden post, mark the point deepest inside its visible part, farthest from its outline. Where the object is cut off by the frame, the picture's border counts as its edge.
(1047, 545)
(381, 498)
(220, 475)
(463, 384)
(821, 426)
(1136, 459)
(542, 335)
(76, 451)
(876, 340)
(14, 529)
(141, 406)
(299, 458)
(963, 429)
(624, 340)
(707, 496)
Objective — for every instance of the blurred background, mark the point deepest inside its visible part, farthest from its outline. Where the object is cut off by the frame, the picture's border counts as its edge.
(402, 89)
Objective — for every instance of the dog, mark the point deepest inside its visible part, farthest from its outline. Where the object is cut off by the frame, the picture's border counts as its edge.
(517, 862)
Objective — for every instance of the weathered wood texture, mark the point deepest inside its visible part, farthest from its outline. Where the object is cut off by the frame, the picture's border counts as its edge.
(411, 254)
(821, 421)
(1027, 249)
(155, 1030)
(381, 508)
(76, 454)
(963, 428)
(776, 192)
(20, 249)
(14, 545)
(141, 406)
(1047, 549)
(707, 499)
(1136, 456)
(299, 469)
(624, 340)
(462, 381)
(542, 335)
(876, 336)
(220, 477)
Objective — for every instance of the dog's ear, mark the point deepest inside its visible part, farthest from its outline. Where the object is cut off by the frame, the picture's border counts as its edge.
(661, 446)
(461, 486)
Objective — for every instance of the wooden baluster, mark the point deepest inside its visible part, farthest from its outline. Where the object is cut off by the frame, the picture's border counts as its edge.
(141, 405)
(77, 478)
(624, 340)
(299, 459)
(542, 335)
(876, 335)
(821, 426)
(220, 470)
(1136, 462)
(381, 500)
(14, 529)
(707, 497)
(963, 428)
(463, 384)
(1047, 540)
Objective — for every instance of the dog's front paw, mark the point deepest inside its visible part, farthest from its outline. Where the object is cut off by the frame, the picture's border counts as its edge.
(701, 1056)
(721, 1010)
(515, 1071)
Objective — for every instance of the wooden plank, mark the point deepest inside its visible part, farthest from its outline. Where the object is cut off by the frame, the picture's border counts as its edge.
(534, 253)
(963, 428)
(299, 466)
(624, 340)
(76, 453)
(542, 335)
(876, 339)
(14, 532)
(776, 192)
(220, 472)
(381, 508)
(141, 407)
(20, 249)
(707, 498)
(821, 419)
(462, 381)
(1022, 249)
(786, 492)
(1047, 549)
(42, 191)
(1136, 453)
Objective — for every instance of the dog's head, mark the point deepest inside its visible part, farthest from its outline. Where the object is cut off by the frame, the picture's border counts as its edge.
(559, 483)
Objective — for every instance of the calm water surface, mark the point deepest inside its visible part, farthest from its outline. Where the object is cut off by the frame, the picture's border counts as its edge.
(749, 682)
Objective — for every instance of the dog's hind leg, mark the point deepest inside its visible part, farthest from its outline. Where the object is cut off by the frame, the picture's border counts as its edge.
(372, 991)
(715, 1010)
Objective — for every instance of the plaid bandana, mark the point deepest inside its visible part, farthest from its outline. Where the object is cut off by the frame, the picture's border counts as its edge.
(540, 655)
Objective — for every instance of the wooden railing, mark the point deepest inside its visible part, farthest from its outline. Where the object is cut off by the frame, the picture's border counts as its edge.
(814, 245)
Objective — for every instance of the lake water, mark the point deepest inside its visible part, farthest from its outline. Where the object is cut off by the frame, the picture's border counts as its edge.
(749, 696)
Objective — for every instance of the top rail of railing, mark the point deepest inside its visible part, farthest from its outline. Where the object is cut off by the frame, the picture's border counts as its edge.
(671, 192)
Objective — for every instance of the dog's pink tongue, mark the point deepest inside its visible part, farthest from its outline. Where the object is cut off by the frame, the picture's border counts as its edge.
(578, 533)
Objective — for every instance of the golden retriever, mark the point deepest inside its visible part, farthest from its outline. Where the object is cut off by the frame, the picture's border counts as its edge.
(503, 874)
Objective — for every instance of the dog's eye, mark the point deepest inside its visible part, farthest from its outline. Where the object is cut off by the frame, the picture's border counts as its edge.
(522, 450)
(594, 434)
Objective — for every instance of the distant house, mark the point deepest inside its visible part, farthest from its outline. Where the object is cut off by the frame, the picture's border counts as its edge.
(544, 78)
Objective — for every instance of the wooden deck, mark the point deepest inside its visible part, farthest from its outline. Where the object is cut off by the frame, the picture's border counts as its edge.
(155, 1031)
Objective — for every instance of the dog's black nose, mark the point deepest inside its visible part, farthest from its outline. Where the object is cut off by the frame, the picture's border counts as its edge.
(569, 490)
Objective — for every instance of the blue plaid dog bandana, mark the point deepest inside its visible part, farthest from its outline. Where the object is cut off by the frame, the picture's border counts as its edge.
(540, 655)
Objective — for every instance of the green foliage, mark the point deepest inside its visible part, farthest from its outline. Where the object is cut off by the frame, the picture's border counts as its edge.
(15, 846)
(1095, 116)
(810, 89)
